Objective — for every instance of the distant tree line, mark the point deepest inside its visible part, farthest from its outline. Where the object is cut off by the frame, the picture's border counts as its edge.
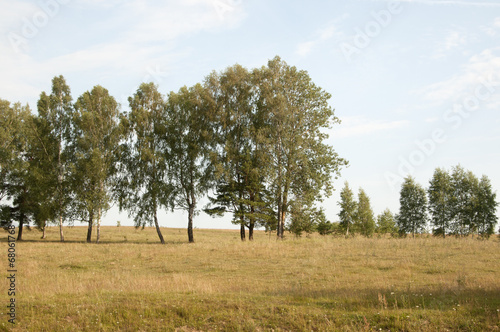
(456, 203)
(252, 140)
(357, 217)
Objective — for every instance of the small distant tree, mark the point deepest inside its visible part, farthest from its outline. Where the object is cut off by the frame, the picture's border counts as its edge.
(412, 217)
(365, 221)
(348, 209)
(386, 224)
(441, 202)
(306, 220)
(300, 223)
(485, 208)
(464, 184)
(324, 226)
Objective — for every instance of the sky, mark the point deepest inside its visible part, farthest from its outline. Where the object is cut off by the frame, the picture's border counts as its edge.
(416, 83)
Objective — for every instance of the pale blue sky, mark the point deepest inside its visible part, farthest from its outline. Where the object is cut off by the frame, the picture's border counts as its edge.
(416, 83)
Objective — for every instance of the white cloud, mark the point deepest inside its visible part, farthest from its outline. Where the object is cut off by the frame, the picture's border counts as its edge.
(493, 28)
(173, 19)
(361, 126)
(320, 36)
(453, 40)
(305, 48)
(138, 35)
(481, 72)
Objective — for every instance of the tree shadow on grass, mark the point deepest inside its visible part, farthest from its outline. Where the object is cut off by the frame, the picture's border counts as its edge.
(444, 297)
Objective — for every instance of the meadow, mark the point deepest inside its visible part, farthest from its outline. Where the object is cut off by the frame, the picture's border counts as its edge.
(130, 282)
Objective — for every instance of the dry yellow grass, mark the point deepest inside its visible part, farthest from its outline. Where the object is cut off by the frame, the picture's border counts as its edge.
(130, 282)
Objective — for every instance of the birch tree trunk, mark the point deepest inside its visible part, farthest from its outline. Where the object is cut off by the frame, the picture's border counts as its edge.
(89, 230)
(190, 223)
(157, 225)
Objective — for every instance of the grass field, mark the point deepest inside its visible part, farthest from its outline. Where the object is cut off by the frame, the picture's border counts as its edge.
(130, 282)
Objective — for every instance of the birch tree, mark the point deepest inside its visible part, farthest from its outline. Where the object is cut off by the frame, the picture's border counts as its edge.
(14, 166)
(143, 187)
(441, 200)
(365, 220)
(188, 138)
(348, 209)
(412, 217)
(239, 156)
(53, 130)
(98, 134)
(297, 116)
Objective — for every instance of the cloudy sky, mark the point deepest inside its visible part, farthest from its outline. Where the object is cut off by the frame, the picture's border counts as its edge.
(416, 83)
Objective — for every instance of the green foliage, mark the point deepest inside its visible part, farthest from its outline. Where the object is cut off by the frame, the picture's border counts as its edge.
(239, 155)
(97, 134)
(325, 227)
(348, 209)
(52, 150)
(296, 112)
(308, 220)
(17, 185)
(364, 221)
(355, 216)
(412, 217)
(386, 223)
(485, 207)
(188, 141)
(461, 204)
(441, 202)
(269, 128)
(464, 183)
(143, 185)
(12, 145)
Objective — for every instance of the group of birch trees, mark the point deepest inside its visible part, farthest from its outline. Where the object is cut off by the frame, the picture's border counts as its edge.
(252, 140)
(455, 203)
